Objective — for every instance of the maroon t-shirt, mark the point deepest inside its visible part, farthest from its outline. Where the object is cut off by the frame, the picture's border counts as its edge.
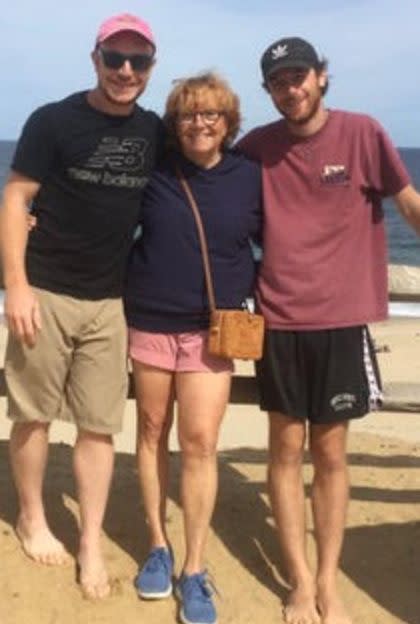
(324, 247)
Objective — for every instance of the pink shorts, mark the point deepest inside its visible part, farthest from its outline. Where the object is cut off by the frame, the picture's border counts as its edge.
(183, 352)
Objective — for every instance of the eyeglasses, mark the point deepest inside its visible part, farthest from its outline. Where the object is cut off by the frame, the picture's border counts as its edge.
(115, 60)
(209, 117)
(294, 79)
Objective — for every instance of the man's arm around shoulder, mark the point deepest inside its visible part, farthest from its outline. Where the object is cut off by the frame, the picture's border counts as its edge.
(408, 203)
(21, 307)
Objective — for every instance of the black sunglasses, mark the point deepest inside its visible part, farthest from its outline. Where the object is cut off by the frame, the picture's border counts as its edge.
(115, 60)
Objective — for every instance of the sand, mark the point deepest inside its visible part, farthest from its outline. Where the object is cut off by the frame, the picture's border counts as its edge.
(380, 568)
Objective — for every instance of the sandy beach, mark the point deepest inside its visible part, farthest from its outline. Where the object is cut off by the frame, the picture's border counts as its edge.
(381, 557)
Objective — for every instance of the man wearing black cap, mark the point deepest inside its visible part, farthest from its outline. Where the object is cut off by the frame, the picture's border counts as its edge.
(323, 277)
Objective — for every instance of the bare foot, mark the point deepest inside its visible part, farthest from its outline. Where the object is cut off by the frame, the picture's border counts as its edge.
(301, 608)
(331, 607)
(41, 545)
(92, 576)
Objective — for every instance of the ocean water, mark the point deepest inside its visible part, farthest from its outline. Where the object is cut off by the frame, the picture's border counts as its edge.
(404, 245)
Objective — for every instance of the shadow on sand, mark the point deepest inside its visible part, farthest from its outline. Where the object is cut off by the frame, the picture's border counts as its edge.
(383, 559)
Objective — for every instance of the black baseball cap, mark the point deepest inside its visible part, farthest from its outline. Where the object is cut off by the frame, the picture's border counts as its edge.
(286, 53)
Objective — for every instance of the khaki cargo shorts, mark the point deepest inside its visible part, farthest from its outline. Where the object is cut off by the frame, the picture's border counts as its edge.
(77, 370)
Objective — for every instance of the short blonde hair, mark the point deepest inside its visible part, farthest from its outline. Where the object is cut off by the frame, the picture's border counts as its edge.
(188, 93)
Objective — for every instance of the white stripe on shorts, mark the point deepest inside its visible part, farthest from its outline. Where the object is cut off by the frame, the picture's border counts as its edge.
(375, 394)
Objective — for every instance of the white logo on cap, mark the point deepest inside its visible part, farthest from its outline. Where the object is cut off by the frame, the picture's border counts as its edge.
(279, 52)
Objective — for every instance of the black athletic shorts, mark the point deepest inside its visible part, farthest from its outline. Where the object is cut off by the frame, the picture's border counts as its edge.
(324, 376)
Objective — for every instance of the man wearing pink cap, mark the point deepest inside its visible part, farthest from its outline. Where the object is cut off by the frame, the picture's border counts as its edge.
(80, 167)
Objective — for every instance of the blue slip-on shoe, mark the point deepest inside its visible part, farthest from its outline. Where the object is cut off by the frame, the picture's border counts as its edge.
(154, 579)
(195, 594)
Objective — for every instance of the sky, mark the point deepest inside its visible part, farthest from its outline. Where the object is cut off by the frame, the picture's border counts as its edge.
(372, 47)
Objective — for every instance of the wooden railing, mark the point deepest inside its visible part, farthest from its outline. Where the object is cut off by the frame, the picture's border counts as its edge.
(399, 397)
(244, 389)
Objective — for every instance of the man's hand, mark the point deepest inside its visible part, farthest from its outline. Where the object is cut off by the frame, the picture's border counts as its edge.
(21, 307)
(22, 313)
(408, 203)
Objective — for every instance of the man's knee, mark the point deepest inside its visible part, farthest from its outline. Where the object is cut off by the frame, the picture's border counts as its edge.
(328, 446)
(84, 434)
(286, 439)
(24, 430)
(329, 457)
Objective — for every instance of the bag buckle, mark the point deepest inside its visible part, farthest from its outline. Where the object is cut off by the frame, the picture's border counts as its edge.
(249, 305)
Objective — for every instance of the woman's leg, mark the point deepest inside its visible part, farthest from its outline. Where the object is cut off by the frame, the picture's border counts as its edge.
(202, 399)
(155, 397)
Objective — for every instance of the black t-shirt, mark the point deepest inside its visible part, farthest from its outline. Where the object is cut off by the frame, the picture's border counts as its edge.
(93, 168)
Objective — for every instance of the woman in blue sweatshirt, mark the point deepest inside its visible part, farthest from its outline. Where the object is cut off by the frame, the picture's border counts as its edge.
(168, 317)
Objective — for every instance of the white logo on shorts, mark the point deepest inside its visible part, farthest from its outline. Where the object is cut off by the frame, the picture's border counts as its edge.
(343, 401)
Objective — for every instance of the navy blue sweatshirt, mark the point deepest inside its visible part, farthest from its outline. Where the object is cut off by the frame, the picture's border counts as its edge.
(165, 288)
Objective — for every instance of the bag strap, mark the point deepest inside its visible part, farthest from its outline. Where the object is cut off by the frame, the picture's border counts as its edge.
(202, 237)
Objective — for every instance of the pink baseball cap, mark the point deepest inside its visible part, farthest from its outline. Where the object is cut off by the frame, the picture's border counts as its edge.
(124, 21)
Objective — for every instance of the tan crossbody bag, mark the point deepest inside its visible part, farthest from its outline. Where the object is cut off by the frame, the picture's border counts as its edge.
(234, 334)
